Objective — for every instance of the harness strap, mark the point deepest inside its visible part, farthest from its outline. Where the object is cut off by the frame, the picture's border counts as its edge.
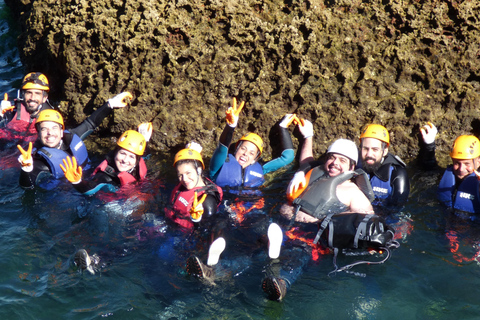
(292, 221)
(331, 231)
(361, 230)
(322, 228)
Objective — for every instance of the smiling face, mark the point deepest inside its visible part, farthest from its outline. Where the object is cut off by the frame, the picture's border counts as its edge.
(337, 164)
(246, 153)
(464, 167)
(33, 99)
(188, 176)
(50, 133)
(373, 152)
(125, 160)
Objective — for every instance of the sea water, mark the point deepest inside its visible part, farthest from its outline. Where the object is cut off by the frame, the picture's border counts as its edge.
(433, 275)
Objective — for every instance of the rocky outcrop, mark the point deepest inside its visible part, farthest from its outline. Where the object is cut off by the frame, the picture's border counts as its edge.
(341, 64)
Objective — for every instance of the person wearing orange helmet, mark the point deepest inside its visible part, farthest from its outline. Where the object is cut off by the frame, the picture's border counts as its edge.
(387, 173)
(459, 186)
(34, 98)
(124, 165)
(54, 144)
(195, 196)
(242, 168)
(193, 206)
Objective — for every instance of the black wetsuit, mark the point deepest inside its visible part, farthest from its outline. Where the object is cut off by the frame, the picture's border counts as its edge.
(29, 179)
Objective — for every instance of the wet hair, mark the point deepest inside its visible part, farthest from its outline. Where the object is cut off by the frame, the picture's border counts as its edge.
(195, 163)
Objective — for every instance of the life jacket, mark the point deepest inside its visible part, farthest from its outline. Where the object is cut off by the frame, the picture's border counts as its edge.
(182, 201)
(382, 189)
(381, 178)
(233, 175)
(22, 120)
(124, 177)
(319, 198)
(465, 197)
(22, 113)
(355, 231)
(54, 157)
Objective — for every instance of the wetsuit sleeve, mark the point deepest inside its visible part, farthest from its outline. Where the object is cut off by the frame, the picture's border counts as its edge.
(209, 219)
(427, 156)
(92, 122)
(210, 206)
(221, 153)
(98, 182)
(400, 185)
(28, 179)
(287, 156)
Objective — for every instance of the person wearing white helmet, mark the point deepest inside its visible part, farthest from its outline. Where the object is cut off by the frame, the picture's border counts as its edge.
(317, 192)
(341, 159)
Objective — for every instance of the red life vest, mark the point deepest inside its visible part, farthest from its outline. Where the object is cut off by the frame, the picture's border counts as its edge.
(124, 177)
(21, 120)
(181, 202)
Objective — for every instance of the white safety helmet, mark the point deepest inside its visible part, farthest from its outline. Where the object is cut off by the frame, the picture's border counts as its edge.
(346, 148)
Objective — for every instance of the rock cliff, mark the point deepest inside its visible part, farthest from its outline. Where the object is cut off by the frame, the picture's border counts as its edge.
(341, 64)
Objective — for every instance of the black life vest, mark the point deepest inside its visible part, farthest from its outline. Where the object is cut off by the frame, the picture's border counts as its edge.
(320, 196)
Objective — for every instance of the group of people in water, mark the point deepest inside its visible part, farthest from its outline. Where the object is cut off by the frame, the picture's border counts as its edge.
(330, 201)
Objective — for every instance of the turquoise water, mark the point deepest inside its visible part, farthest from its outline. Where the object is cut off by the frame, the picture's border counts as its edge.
(433, 275)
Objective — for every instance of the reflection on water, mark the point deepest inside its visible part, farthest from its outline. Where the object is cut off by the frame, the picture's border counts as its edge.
(433, 275)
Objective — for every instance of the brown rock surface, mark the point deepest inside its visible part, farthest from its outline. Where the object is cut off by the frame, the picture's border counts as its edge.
(341, 64)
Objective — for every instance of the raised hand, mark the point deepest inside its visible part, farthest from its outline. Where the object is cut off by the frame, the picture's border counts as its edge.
(233, 113)
(288, 119)
(429, 132)
(305, 127)
(73, 173)
(5, 105)
(120, 100)
(195, 146)
(296, 185)
(146, 130)
(25, 157)
(196, 211)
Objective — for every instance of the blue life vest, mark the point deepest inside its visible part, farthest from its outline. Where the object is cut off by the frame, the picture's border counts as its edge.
(465, 197)
(382, 189)
(54, 157)
(232, 175)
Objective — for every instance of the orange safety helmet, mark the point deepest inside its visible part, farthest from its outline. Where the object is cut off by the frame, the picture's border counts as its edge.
(188, 154)
(50, 115)
(465, 147)
(376, 131)
(132, 141)
(35, 80)
(253, 138)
